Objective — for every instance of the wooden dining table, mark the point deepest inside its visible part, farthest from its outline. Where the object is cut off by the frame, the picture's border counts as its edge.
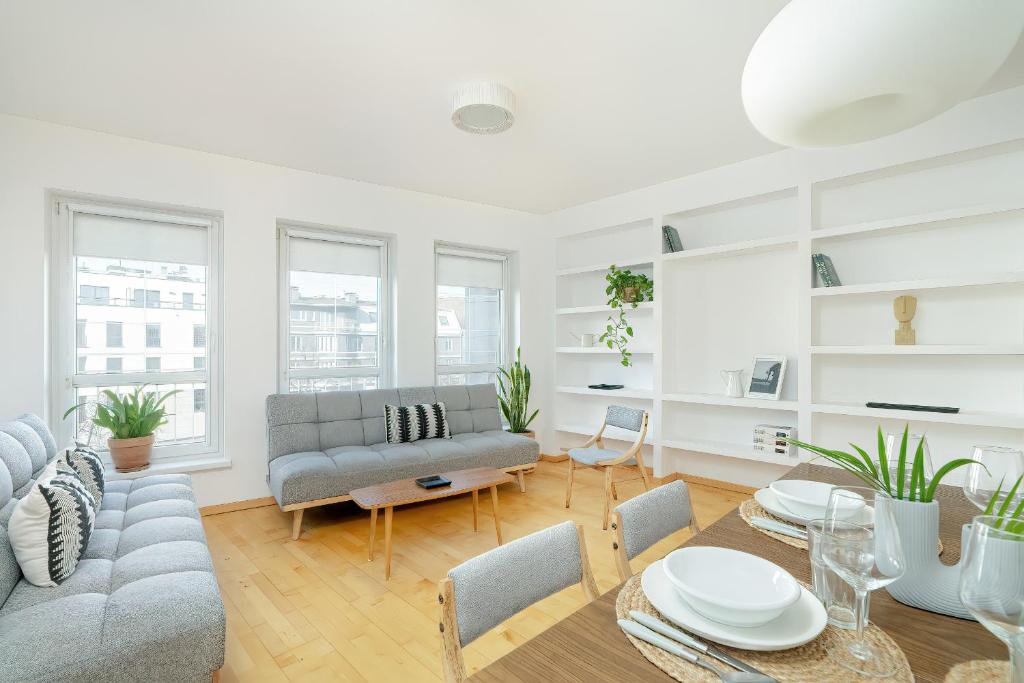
(589, 646)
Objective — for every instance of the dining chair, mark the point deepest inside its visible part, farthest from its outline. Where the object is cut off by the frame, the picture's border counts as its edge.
(593, 454)
(642, 521)
(482, 592)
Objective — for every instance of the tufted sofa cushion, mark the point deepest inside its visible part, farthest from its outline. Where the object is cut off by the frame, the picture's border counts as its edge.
(323, 445)
(143, 603)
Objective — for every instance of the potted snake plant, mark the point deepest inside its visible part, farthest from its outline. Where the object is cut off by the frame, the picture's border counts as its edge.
(132, 420)
(514, 397)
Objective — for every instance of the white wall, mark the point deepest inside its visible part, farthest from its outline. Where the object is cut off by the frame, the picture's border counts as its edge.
(37, 157)
(994, 119)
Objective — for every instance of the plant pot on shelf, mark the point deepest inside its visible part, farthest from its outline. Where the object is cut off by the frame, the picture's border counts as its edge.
(629, 294)
(131, 455)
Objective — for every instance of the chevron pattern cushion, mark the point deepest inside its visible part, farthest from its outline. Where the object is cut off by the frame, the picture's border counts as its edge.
(404, 424)
(51, 526)
(87, 465)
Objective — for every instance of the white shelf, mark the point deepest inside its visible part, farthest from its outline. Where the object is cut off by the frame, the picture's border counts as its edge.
(610, 433)
(576, 310)
(976, 419)
(916, 285)
(734, 249)
(923, 350)
(579, 270)
(914, 220)
(719, 400)
(597, 350)
(644, 394)
(729, 450)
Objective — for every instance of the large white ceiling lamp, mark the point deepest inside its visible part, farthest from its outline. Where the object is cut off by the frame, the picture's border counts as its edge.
(484, 108)
(835, 72)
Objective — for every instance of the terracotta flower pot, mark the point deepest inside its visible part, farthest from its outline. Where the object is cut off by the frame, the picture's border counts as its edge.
(630, 294)
(131, 455)
(529, 435)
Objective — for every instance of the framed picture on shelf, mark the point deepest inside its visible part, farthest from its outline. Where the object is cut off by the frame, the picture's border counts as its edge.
(767, 376)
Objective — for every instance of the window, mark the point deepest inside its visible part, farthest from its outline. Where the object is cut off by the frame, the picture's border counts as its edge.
(199, 336)
(121, 271)
(471, 315)
(114, 334)
(334, 311)
(188, 301)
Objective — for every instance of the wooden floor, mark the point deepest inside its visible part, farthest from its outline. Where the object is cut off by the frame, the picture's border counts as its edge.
(316, 610)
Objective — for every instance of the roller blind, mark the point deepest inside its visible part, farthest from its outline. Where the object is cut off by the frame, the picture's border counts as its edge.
(328, 256)
(469, 271)
(139, 240)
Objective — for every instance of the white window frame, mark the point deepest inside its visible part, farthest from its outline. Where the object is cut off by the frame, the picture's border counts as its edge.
(385, 370)
(63, 323)
(505, 314)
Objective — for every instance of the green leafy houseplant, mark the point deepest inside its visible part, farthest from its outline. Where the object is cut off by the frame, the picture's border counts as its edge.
(1014, 519)
(878, 477)
(625, 288)
(132, 420)
(514, 396)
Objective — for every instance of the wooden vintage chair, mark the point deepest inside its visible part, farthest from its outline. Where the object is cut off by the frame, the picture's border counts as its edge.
(594, 455)
(481, 593)
(644, 520)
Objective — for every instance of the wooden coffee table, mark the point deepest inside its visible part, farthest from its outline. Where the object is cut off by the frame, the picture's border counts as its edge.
(406, 491)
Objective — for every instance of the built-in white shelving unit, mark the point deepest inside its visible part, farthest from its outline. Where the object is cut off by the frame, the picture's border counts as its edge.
(948, 230)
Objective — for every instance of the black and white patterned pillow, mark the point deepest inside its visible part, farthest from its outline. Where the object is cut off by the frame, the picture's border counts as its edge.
(51, 525)
(84, 462)
(412, 423)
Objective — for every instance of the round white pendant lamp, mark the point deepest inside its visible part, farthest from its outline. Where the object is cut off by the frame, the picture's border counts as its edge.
(835, 72)
(484, 108)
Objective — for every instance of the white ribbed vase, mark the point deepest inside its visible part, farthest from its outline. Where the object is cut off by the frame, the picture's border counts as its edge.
(927, 583)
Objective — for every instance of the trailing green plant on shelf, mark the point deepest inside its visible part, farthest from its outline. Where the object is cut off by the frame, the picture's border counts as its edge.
(514, 396)
(1014, 519)
(880, 475)
(625, 288)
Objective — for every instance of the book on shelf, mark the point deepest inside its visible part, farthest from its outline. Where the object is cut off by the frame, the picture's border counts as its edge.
(826, 270)
(670, 239)
(772, 439)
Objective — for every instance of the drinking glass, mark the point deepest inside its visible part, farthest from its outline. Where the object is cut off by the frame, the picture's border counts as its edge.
(892, 451)
(836, 595)
(992, 583)
(993, 465)
(860, 543)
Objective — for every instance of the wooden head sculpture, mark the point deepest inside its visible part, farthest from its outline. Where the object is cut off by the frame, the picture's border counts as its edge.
(904, 308)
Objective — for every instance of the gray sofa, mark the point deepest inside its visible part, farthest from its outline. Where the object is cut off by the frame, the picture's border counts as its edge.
(143, 604)
(324, 445)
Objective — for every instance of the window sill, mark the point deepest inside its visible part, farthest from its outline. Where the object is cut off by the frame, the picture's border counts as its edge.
(175, 466)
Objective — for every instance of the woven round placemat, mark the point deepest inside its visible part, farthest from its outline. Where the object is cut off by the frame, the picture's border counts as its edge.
(808, 663)
(751, 508)
(979, 671)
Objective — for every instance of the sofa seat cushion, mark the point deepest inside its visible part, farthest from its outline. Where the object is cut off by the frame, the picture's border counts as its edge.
(309, 476)
(143, 603)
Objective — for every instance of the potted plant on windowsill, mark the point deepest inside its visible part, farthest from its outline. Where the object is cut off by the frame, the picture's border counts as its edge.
(625, 288)
(514, 397)
(132, 420)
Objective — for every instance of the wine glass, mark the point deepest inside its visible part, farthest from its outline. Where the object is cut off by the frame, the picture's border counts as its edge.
(860, 543)
(893, 441)
(992, 583)
(993, 466)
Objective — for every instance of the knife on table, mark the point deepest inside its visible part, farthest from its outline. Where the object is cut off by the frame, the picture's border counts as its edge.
(779, 527)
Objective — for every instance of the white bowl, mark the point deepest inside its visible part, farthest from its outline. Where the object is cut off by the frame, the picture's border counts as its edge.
(729, 586)
(809, 499)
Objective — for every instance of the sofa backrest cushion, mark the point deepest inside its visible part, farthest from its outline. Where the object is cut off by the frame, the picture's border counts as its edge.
(319, 421)
(26, 447)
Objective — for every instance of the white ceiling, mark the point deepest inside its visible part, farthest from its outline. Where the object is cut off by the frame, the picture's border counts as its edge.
(612, 95)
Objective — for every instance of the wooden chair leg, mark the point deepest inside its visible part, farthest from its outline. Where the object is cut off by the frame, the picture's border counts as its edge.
(297, 523)
(568, 483)
(646, 477)
(521, 476)
(607, 495)
(215, 678)
(476, 510)
(615, 492)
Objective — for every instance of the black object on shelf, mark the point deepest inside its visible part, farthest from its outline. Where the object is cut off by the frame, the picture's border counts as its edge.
(910, 406)
(606, 387)
(434, 481)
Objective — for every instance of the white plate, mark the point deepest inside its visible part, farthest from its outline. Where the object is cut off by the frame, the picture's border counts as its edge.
(798, 625)
(766, 499)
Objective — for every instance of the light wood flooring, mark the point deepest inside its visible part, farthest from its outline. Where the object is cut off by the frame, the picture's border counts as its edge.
(316, 610)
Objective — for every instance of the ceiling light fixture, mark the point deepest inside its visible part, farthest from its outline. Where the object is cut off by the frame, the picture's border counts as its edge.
(845, 71)
(484, 108)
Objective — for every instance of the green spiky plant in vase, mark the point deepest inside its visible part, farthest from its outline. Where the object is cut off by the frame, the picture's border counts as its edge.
(514, 396)
(625, 288)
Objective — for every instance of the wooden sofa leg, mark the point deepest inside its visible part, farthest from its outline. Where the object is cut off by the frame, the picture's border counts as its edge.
(521, 476)
(297, 524)
(216, 676)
